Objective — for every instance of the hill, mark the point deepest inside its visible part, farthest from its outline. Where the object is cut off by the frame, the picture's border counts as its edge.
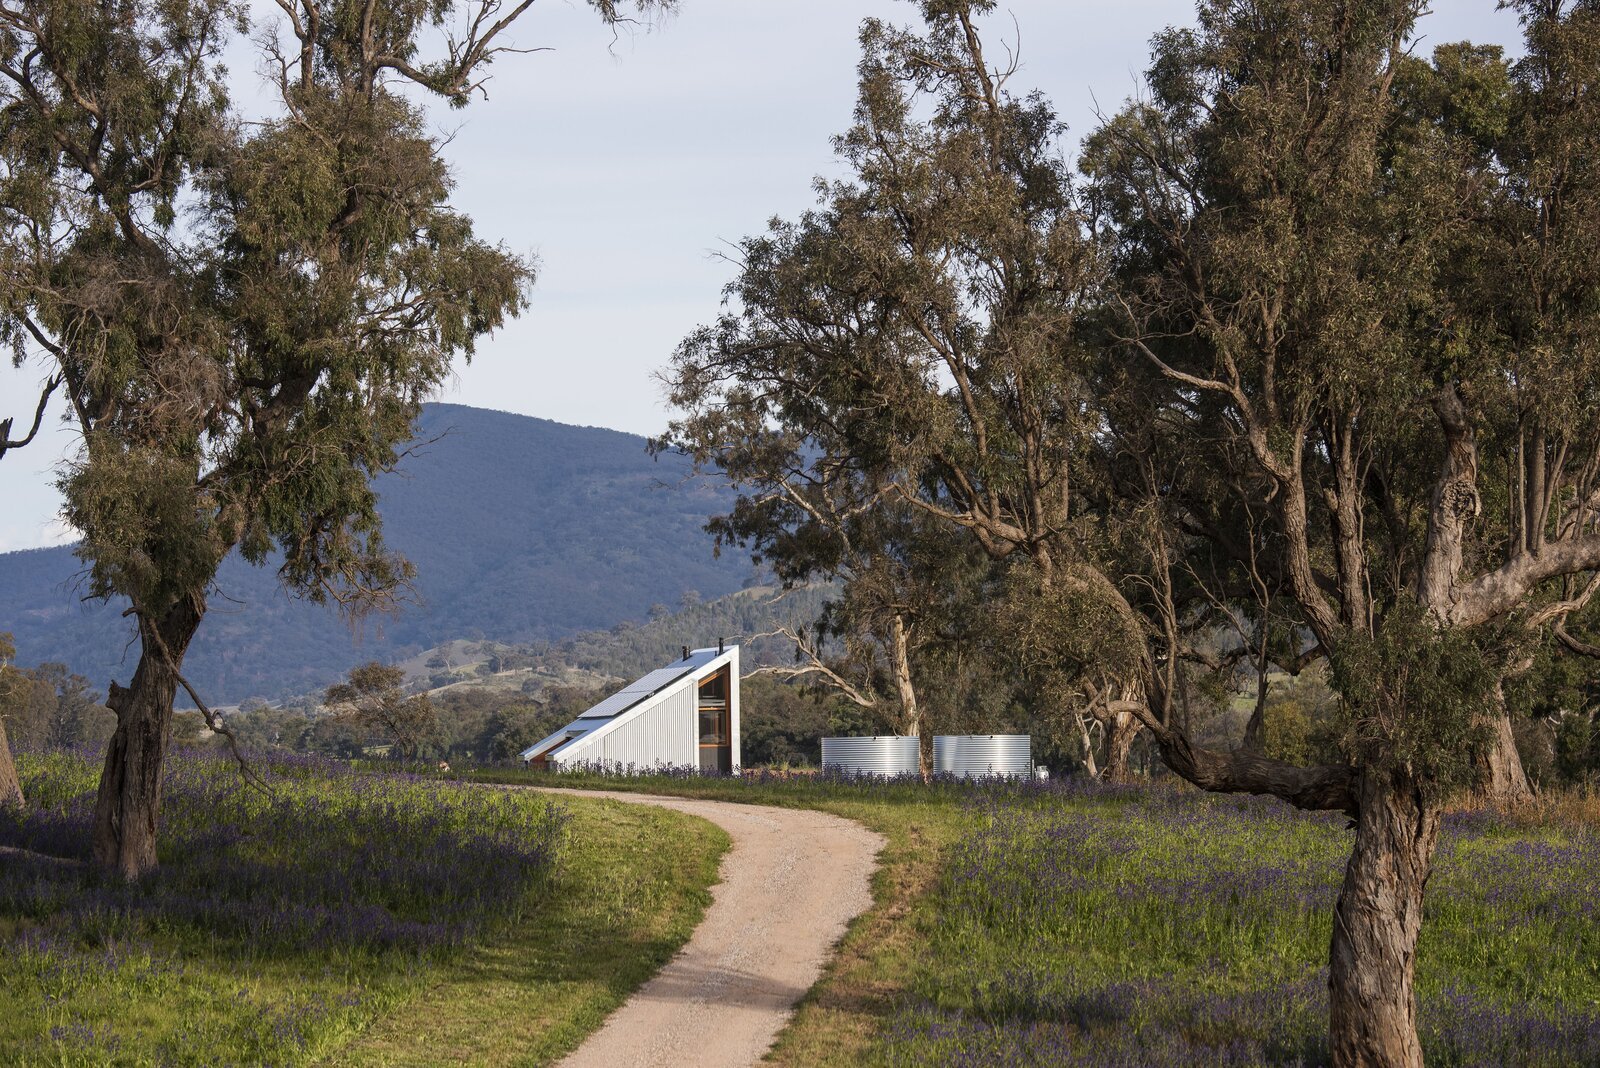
(596, 658)
(523, 530)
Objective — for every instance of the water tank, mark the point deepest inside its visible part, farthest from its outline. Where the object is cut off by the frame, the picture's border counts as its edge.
(881, 755)
(968, 756)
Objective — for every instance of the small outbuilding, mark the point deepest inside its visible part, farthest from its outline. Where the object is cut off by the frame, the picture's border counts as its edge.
(685, 714)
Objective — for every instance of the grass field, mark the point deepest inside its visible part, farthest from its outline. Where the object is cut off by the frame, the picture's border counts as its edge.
(348, 918)
(362, 918)
(1073, 924)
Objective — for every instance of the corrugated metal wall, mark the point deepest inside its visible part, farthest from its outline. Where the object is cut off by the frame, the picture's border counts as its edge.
(972, 755)
(664, 733)
(881, 755)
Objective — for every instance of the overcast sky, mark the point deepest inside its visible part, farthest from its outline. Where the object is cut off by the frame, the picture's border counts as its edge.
(624, 164)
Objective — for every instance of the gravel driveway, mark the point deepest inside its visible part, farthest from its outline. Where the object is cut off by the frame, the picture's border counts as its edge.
(791, 882)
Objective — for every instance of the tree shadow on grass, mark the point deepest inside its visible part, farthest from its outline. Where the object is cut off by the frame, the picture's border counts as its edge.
(350, 864)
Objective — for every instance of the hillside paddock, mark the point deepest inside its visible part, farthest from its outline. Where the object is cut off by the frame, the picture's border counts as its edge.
(337, 916)
(1071, 923)
(351, 916)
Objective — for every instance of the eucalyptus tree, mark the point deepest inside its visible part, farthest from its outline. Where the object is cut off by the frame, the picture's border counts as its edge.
(1528, 288)
(1376, 321)
(920, 336)
(812, 511)
(13, 694)
(245, 315)
(373, 699)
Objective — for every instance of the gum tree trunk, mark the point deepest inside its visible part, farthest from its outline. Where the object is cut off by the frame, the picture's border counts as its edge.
(10, 785)
(1121, 730)
(1089, 764)
(1373, 957)
(127, 809)
(910, 712)
(1502, 781)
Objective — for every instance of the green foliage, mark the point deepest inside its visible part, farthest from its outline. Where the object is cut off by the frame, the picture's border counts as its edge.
(245, 315)
(337, 737)
(186, 727)
(49, 707)
(1577, 745)
(1552, 700)
(1467, 90)
(747, 617)
(1303, 722)
(493, 726)
(1064, 632)
(153, 544)
(1287, 733)
(15, 687)
(374, 701)
(254, 368)
(781, 724)
(484, 725)
(846, 719)
(897, 386)
(1416, 697)
(508, 731)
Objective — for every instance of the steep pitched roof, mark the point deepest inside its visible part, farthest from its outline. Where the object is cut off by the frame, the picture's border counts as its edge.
(620, 706)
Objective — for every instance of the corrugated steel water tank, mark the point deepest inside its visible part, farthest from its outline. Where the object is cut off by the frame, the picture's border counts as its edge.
(884, 754)
(968, 756)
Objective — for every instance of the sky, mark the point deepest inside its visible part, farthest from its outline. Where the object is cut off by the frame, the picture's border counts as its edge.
(628, 163)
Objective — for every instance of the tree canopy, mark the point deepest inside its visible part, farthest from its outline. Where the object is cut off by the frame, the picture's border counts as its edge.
(246, 315)
(1306, 358)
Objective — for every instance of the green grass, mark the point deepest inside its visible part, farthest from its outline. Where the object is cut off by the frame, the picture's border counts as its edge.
(1165, 927)
(349, 919)
(1010, 925)
(842, 1020)
(626, 899)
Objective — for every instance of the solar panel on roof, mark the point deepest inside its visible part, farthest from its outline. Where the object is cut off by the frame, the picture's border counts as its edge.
(617, 702)
(555, 741)
(654, 682)
(658, 678)
(634, 694)
(637, 691)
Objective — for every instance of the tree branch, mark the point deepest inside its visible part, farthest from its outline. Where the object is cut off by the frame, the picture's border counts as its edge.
(1502, 591)
(814, 666)
(38, 417)
(1325, 788)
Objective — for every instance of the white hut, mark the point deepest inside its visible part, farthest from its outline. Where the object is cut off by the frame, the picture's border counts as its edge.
(683, 715)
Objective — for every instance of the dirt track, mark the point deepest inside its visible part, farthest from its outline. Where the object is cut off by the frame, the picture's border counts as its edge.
(791, 882)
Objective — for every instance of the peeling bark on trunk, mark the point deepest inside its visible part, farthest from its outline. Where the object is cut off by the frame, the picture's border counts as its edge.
(10, 785)
(1372, 1001)
(1089, 764)
(910, 713)
(127, 809)
(1502, 781)
(1121, 730)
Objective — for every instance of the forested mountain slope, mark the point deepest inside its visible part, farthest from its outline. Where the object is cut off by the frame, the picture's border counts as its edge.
(749, 618)
(521, 529)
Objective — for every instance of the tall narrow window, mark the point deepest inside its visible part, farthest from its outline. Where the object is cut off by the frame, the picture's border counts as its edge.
(716, 733)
